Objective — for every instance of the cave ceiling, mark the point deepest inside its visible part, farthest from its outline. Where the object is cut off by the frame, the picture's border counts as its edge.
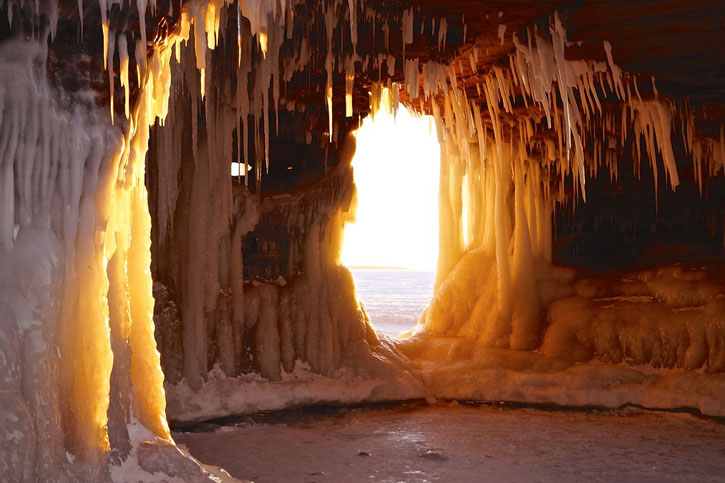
(678, 43)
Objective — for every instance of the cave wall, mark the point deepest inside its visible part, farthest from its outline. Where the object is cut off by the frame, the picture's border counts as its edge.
(108, 83)
(208, 311)
(247, 272)
(502, 183)
(80, 365)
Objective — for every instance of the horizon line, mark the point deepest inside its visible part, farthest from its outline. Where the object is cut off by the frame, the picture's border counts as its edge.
(383, 267)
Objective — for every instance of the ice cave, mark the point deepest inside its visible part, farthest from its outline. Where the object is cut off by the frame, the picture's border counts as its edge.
(176, 179)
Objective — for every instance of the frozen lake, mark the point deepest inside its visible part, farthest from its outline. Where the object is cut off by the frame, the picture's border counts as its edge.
(394, 299)
(452, 443)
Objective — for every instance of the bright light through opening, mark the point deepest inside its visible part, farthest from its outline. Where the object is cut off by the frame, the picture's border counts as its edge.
(238, 169)
(396, 169)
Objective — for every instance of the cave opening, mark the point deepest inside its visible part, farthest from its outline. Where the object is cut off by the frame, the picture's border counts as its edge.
(391, 242)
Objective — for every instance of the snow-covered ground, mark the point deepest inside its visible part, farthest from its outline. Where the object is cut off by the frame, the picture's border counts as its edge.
(222, 396)
(449, 442)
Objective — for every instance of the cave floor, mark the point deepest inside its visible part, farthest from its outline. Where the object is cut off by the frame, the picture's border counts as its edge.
(461, 443)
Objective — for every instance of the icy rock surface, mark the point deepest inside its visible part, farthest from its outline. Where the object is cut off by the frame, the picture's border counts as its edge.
(75, 286)
(285, 340)
(650, 337)
(73, 283)
(222, 396)
(154, 459)
(672, 316)
(313, 341)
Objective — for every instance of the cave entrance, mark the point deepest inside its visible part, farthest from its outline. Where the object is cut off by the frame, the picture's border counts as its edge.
(391, 246)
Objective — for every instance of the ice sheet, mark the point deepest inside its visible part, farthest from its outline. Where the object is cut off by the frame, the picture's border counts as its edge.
(467, 444)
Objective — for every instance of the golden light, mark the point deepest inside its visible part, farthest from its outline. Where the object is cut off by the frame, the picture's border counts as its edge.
(239, 169)
(396, 169)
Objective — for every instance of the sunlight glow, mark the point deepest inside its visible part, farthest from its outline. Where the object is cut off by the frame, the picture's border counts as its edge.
(238, 169)
(396, 169)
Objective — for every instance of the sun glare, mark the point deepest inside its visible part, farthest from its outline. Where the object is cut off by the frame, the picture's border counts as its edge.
(396, 170)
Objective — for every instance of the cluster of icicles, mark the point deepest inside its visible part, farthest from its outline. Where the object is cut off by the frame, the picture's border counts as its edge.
(500, 167)
(538, 74)
(81, 364)
(271, 23)
(563, 112)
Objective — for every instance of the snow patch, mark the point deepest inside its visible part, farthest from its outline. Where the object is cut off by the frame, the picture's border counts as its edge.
(222, 396)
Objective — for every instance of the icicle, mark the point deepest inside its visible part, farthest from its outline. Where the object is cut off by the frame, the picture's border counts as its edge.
(111, 79)
(263, 43)
(353, 24)
(442, 32)
(140, 56)
(349, 84)
(412, 77)
(407, 27)
(123, 56)
(80, 16)
(239, 38)
(616, 71)
(141, 6)
(502, 32)
(202, 82)
(375, 95)
(211, 24)
(329, 25)
(391, 65)
(104, 27)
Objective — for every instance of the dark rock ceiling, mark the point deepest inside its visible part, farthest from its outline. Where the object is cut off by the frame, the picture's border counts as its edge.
(679, 42)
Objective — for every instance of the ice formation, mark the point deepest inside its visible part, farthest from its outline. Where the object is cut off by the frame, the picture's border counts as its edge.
(497, 293)
(76, 286)
(201, 219)
(81, 364)
(503, 170)
(83, 384)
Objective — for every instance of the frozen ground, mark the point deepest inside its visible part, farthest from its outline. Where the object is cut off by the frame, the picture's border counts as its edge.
(453, 443)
